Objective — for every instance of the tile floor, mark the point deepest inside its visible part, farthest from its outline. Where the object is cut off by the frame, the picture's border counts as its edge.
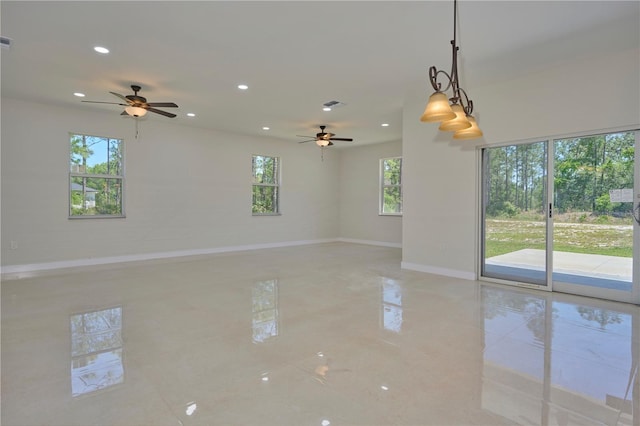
(328, 334)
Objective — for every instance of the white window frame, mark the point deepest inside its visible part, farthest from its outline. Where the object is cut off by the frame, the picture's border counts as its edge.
(77, 171)
(384, 186)
(276, 184)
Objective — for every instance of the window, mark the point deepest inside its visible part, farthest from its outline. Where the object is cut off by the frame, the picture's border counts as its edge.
(266, 185)
(96, 176)
(391, 186)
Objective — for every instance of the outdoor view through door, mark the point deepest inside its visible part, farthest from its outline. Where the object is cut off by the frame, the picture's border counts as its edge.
(514, 200)
(559, 213)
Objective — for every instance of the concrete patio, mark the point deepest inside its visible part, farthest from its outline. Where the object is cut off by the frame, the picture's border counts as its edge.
(589, 269)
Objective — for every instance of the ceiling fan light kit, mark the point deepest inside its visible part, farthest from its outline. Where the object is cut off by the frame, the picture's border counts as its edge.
(135, 111)
(454, 113)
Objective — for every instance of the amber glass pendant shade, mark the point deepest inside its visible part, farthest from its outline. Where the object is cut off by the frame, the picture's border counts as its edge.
(458, 123)
(472, 132)
(437, 109)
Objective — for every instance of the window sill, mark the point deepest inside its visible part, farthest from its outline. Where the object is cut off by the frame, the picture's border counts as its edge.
(97, 217)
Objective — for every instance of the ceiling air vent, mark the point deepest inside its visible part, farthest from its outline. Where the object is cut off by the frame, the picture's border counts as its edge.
(5, 42)
(333, 104)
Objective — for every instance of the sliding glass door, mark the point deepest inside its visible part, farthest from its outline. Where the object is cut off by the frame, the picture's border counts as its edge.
(514, 213)
(559, 214)
(593, 222)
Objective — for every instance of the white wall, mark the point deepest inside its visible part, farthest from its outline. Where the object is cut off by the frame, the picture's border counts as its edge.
(440, 187)
(186, 190)
(360, 195)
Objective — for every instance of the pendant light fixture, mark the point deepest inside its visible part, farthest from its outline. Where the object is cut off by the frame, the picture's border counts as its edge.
(454, 113)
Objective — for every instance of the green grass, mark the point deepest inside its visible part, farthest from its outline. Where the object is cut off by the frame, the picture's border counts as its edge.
(509, 235)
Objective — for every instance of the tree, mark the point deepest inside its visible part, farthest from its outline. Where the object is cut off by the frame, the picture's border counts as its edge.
(587, 168)
(514, 179)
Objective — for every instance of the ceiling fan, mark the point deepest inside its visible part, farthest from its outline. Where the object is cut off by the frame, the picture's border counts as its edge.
(137, 106)
(323, 139)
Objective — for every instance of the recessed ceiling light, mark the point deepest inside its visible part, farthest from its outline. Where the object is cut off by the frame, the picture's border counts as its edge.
(78, 94)
(243, 86)
(101, 49)
(385, 124)
(265, 128)
(190, 114)
(326, 109)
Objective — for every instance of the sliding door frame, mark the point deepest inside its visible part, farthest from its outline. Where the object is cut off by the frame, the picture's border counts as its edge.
(481, 219)
(634, 296)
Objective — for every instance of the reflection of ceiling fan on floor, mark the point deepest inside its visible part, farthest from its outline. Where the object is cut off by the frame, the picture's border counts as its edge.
(323, 139)
(137, 106)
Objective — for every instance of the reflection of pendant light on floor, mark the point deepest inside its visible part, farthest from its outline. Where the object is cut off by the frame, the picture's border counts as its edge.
(454, 113)
(135, 111)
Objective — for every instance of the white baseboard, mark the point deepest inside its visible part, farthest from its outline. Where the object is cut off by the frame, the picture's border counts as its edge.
(370, 242)
(439, 271)
(27, 270)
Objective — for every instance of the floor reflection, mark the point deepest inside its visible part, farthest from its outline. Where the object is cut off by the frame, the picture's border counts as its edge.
(391, 305)
(96, 350)
(551, 362)
(265, 319)
(342, 335)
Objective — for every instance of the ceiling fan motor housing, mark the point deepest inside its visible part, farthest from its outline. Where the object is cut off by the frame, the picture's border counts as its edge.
(138, 100)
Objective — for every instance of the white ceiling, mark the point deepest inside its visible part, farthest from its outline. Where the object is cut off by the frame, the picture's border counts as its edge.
(294, 56)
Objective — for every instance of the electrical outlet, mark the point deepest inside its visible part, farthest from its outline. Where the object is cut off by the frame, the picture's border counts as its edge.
(14, 245)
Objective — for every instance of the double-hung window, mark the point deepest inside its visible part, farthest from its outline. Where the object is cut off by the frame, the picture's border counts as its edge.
(391, 186)
(266, 185)
(96, 176)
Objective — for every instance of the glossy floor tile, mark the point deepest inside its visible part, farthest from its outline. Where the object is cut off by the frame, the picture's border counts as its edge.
(328, 334)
